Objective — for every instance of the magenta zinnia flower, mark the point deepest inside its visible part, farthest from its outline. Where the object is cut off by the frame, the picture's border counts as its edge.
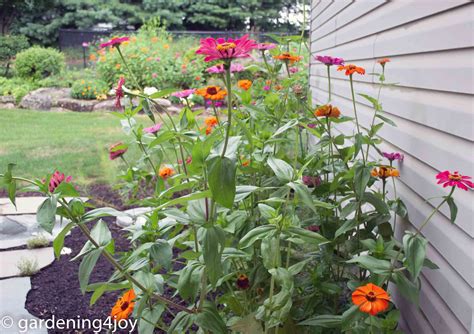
(116, 41)
(328, 60)
(217, 69)
(266, 87)
(117, 150)
(311, 181)
(184, 93)
(266, 46)
(221, 48)
(217, 104)
(153, 129)
(56, 179)
(294, 69)
(454, 180)
(394, 156)
(119, 92)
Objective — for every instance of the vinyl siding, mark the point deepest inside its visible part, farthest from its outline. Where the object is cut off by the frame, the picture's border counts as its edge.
(430, 44)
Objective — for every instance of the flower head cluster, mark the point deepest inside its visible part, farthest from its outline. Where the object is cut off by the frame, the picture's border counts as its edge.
(288, 57)
(166, 172)
(226, 49)
(184, 93)
(244, 84)
(114, 42)
(56, 179)
(351, 69)
(214, 93)
(153, 129)
(384, 172)
(394, 156)
(217, 69)
(124, 306)
(329, 61)
(455, 179)
(117, 150)
(371, 299)
(327, 111)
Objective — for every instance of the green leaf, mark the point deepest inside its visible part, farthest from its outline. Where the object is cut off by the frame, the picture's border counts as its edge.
(86, 267)
(406, 287)
(283, 171)
(285, 127)
(452, 208)
(310, 236)
(385, 119)
(221, 173)
(162, 137)
(181, 322)
(371, 263)
(325, 321)
(376, 202)
(255, 234)
(58, 242)
(374, 101)
(10, 183)
(46, 214)
(66, 189)
(247, 325)
(270, 250)
(361, 178)
(162, 253)
(212, 247)
(305, 195)
(210, 320)
(149, 318)
(415, 253)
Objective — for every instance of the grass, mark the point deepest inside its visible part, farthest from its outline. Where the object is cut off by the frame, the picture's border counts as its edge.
(71, 142)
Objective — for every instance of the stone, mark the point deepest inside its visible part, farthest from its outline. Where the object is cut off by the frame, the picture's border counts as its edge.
(10, 227)
(10, 259)
(163, 102)
(7, 99)
(75, 104)
(106, 105)
(7, 106)
(24, 205)
(44, 98)
(173, 110)
(13, 292)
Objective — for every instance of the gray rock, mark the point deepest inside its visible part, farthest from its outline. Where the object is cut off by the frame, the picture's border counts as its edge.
(75, 104)
(106, 105)
(7, 106)
(11, 227)
(173, 110)
(44, 98)
(7, 99)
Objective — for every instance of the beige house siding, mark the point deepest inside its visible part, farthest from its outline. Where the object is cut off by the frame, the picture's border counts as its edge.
(430, 43)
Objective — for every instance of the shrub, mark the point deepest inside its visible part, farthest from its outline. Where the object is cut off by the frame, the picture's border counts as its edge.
(27, 267)
(88, 89)
(156, 59)
(16, 87)
(37, 63)
(38, 241)
(10, 45)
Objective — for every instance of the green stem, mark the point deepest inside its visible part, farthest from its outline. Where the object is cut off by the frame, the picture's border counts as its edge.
(329, 82)
(270, 297)
(229, 108)
(355, 111)
(375, 112)
(128, 69)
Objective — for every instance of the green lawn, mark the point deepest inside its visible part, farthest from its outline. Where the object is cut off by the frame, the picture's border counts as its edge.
(72, 142)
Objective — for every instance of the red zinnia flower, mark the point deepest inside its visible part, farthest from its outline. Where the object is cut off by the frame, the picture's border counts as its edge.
(56, 179)
(117, 150)
(116, 41)
(454, 180)
(119, 92)
(226, 49)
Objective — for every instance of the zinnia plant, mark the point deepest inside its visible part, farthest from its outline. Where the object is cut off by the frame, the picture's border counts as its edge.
(266, 219)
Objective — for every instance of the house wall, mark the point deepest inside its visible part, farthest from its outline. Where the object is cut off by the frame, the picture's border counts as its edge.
(430, 44)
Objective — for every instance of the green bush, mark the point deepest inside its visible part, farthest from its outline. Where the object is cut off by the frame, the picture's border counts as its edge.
(156, 59)
(37, 63)
(88, 89)
(16, 87)
(67, 78)
(10, 45)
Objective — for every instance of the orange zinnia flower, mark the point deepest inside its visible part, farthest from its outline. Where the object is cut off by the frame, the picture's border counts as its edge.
(371, 299)
(351, 69)
(383, 61)
(286, 56)
(327, 111)
(166, 172)
(211, 121)
(214, 93)
(244, 84)
(124, 306)
(385, 171)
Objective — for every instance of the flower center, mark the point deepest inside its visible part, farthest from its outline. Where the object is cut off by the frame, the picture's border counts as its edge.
(225, 46)
(371, 296)
(124, 306)
(456, 176)
(211, 90)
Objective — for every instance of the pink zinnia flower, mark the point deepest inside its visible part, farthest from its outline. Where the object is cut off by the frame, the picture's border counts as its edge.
(85, 44)
(153, 129)
(394, 156)
(266, 46)
(217, 104)
(56, 179)
(116, 41)
(328, 60)
(311, 125)
(217, 69)
(117, 150)
(266, 87)
(294, 69)
(221, 48)
(454, 180)
(154, 75)
(119, 92)
(184, 93)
